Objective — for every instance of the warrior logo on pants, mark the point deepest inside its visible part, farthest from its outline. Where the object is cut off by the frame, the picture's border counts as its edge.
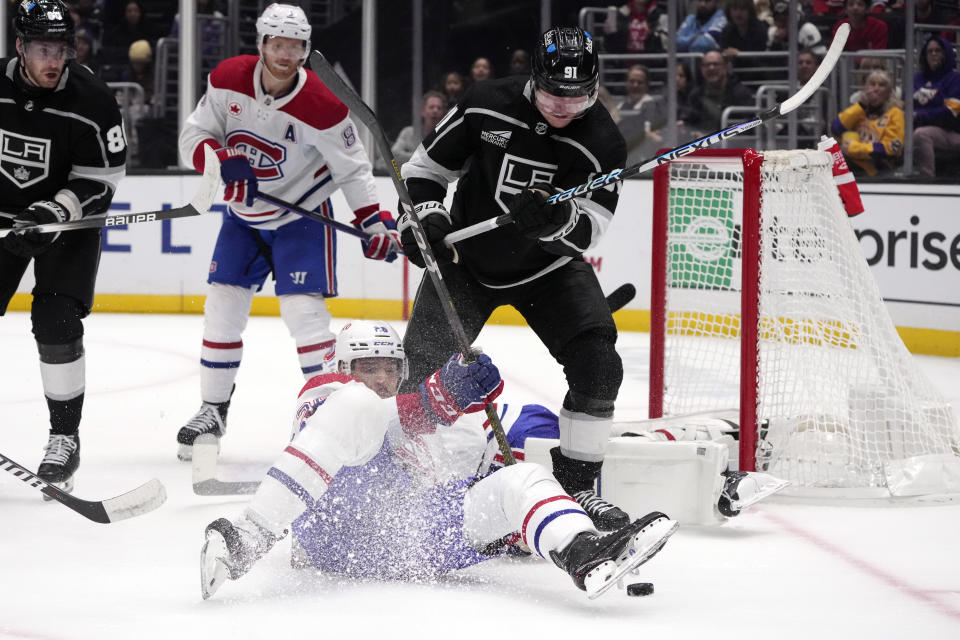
(517, 173)
(24, 160)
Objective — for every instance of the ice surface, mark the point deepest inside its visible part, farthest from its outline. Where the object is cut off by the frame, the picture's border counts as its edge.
(785, 571)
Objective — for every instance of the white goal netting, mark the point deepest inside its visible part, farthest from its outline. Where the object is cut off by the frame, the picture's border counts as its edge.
(840, 402)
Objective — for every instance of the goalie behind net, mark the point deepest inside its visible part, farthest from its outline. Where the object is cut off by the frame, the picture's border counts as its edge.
(762, 299)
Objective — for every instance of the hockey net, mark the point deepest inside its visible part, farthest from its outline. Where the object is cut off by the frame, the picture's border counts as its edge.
(762, 300)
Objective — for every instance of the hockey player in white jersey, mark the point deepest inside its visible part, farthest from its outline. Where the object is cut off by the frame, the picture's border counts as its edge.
(373, 484)
(275, 124)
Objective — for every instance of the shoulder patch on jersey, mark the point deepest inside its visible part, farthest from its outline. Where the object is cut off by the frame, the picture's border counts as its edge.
(497, 138)
(316, 106)
(349, 136)
(235, 74)
(290, 134)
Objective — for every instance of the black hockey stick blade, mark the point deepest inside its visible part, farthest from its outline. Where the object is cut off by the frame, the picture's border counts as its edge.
(141, 500)
(205, 482)
(202, 201)
(621, 297)
(365, 114)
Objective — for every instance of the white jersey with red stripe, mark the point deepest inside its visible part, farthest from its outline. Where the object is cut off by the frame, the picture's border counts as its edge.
(433, 453)
(302, 146)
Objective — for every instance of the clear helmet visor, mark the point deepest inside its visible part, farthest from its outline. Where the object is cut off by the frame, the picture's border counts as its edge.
(564, 107)
(48, 51)
(285, 48)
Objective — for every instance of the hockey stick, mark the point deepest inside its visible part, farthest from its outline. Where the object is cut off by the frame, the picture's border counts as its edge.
(141, 500)
(313, 215)
(201, 203)
(782, 109)
(366, 115)
(205, 482)
(621, 296)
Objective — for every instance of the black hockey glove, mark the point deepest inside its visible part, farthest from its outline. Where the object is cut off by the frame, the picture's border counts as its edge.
(535, 218)
(436, 224)
(28, 244)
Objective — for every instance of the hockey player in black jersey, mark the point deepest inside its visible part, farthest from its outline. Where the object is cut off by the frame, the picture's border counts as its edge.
(511, 143)
(62, 153)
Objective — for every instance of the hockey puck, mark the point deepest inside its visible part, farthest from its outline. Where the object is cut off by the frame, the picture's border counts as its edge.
(640, 589)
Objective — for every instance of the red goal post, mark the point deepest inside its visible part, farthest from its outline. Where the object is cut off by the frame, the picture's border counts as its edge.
(762, 301)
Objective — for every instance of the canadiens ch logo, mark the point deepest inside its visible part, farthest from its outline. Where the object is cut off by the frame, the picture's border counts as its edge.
(24, 160)
(266, 157)
(516, 174)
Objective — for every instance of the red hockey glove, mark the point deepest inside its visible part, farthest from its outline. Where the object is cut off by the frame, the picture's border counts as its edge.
(538, 220)
(461, 388)
(238, 175)
(383, 242)
(436, 224)
(28, 244)
(843, 177)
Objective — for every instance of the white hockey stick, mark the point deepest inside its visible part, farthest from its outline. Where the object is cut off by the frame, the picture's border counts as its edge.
(782, 109)
(202, 201)
(141, 500)
(205, 482)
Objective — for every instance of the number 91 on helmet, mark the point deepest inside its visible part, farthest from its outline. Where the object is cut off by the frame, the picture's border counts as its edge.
(566, 73)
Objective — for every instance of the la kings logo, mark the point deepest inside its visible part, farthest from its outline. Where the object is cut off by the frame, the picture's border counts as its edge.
(516, 174)
(24, 160)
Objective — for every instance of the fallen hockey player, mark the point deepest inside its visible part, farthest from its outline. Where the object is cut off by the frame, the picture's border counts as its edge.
(380, 485)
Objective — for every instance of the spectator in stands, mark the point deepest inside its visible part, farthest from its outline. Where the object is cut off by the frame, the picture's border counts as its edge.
(702, 113)
(866, 31)
(132, 27)
(936, 105)
(764, 11)
(452, 85)
(636, 27)
(683, 85)
(950, 35)
(432, 110)
(743, 32)
(870, 130)
(520, 62)
(701, 29)
(210, 32)
(830, 8)
(808, 36)
(641, 115)
(812, 115)
(87, 49)
(481, 70)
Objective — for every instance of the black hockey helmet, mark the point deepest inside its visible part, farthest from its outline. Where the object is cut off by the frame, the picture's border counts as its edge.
(43, 20)
(565, 63)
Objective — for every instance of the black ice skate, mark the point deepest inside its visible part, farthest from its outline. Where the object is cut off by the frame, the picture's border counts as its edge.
(742, 489)
(230, 551)
(211, 418)
(596, 563)
(60, 461)
(605, 516)
(577, 477)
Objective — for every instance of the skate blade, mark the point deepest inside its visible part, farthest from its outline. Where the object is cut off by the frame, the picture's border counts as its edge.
(66, 486)
(644, 546)
(213, 571)
(759, 495)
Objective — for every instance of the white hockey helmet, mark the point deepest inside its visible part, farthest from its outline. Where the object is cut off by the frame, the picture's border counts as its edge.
(284, 21)
(370, 339)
